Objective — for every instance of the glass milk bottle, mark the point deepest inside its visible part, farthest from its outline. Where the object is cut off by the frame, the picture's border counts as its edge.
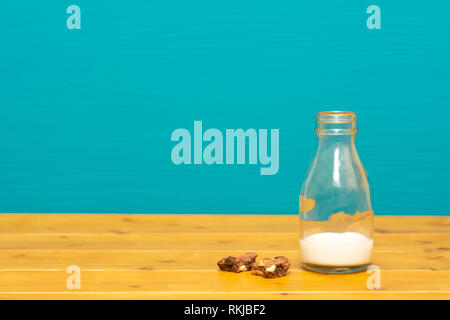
(336, 217)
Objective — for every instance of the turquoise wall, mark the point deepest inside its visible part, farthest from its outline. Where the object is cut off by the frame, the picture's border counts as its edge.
(86, 115)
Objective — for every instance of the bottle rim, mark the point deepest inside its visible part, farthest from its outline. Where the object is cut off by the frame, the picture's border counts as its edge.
(336, 123)
(336, 117)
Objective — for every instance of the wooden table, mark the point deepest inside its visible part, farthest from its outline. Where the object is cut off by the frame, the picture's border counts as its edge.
(174, 257)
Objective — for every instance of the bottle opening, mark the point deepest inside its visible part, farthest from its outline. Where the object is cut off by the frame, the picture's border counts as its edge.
(336, 123)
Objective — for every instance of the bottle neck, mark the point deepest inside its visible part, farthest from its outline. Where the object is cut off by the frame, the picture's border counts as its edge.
(337, 141)
(336, 131)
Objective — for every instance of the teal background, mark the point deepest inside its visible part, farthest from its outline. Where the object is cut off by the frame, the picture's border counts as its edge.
(86, 115)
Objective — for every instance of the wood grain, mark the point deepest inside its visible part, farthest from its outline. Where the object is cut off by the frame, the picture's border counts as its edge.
(174, 256)
(141, 223)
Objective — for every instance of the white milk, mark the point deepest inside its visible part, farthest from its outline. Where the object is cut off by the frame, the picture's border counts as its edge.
(336, 249)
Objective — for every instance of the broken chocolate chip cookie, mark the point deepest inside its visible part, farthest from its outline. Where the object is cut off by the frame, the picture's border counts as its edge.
(239, 264)
(271, 268)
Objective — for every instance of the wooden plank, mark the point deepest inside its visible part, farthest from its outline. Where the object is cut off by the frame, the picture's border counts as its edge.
(399, 242)
(166, 282)
(125, 260)
(161, 257)
(120, 223)
(410, 224)
(291, 295)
